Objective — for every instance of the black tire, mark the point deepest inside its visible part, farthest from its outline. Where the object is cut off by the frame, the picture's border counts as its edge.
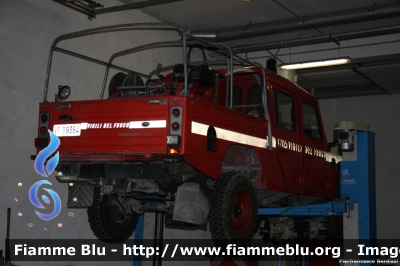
(233, 214)
(108, 222)
(115, 82)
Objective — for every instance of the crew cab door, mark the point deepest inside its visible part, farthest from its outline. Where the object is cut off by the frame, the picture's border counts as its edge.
(313, 138)
(287, 134)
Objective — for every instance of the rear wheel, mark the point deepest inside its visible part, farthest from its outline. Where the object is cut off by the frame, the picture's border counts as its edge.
(108, 221)
(233, 215)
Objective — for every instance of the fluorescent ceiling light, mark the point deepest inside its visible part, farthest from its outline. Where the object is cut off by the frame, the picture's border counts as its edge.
(327, 62)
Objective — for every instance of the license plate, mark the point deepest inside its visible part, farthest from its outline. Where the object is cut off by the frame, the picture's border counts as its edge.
(67, 130)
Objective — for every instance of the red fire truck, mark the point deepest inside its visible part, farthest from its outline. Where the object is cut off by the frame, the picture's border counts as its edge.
(203, 142)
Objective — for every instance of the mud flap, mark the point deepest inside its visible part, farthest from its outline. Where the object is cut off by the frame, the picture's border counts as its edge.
(192, 204)
(80, 195)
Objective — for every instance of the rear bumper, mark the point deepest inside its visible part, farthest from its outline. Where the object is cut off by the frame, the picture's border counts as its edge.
(128, 169)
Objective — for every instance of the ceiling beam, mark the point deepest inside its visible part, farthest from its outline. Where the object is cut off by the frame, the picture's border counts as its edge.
(370, 80)
(81, 8)
(134, 6)
(91, 11)
(310, 41)
(369, 13)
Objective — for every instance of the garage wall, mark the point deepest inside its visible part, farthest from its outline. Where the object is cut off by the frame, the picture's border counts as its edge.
(383, 116)
(381, 112)
(27, 29)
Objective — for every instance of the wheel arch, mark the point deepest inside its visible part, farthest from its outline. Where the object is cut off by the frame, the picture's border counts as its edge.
(242, 159)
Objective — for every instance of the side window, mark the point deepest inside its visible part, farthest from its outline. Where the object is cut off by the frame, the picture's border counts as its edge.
(254, 102)
(284, 111)
(237, 98)
(311, 124)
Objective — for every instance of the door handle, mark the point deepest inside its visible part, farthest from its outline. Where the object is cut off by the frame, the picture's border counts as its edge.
(282, 150)
(310, 157)
(65, 117)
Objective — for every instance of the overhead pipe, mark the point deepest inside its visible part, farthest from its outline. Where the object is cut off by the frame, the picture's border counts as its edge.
(136, 5)
(374, 12)
(316, 40)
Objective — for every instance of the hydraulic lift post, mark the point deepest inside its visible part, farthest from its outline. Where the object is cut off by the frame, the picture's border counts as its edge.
(357, 175)
(138, 239)
(156, 233)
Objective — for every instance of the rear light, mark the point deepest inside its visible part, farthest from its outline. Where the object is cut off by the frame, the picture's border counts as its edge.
(43, 133)
(43, 118)
(43, 130)
(175, 126)
(176, 112)
(175, 130)
(40, 143)
(173, 151)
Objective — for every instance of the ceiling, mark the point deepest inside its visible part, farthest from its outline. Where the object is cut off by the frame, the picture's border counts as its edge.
(195, 15)
(366, 74)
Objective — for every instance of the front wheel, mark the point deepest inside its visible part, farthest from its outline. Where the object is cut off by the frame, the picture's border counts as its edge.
(233, 215)
(108, 221)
